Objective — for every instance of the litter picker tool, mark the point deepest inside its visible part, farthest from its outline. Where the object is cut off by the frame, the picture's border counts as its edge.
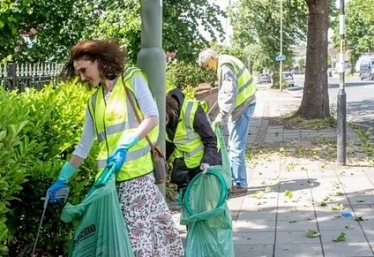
(61, 194)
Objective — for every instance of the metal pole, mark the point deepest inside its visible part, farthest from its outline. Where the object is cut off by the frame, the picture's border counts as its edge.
(281, 44)
(152, 60)
(342, 98)
(12, 76)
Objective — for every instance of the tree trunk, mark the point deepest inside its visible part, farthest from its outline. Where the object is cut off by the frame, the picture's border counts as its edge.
(315, 101)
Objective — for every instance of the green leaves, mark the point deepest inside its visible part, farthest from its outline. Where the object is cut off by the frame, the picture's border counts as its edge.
(312, 233)
(38, 130)
(46, 29)
(340, 238)
(288, 194)
(337, 207)
(258, 23)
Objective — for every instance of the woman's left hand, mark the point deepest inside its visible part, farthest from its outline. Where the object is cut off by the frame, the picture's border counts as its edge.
(118, 157)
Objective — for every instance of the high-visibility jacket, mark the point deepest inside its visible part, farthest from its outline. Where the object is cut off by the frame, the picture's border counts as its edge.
(246, 85)
(188, 143)
(116, 117)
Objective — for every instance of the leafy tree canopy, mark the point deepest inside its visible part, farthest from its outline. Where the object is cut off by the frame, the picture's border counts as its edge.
(257, 22)
(45, 29)
(40, 30)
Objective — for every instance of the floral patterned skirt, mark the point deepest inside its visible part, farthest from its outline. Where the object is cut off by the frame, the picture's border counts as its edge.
(151, 227)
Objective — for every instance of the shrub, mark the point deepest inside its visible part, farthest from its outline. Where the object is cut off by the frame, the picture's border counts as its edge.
(38, 131)
(187, 74)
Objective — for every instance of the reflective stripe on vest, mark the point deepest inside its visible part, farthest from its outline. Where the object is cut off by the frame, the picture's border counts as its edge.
(246, 85)
(114, 118)
(186, 140)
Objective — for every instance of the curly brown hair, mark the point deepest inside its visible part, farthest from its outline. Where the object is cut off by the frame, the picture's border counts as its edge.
(110, 56)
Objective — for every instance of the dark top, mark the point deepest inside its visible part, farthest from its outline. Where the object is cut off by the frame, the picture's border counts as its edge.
(201, 126)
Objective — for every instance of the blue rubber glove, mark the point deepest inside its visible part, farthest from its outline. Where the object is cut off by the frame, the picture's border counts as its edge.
(53, 189)
(118, 157)
(66, 173)
(127, 141)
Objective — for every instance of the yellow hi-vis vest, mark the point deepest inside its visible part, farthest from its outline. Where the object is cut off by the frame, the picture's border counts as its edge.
(188, 143)
(246, 85)
(116, 117)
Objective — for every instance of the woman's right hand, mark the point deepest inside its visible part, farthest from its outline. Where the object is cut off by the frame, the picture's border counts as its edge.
(52, 191)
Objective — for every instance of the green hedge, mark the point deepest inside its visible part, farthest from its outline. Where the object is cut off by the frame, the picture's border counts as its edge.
(189, 75)
(38, 131)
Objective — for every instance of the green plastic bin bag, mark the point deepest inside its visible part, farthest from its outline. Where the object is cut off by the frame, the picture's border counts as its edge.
(225, 169)
(205, 212)
(101, 230)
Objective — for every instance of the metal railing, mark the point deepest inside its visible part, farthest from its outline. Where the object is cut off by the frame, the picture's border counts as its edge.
(32, 75)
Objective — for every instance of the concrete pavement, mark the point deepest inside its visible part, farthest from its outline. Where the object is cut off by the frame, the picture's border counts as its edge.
(296, 186)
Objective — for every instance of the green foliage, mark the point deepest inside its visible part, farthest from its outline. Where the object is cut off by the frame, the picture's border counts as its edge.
(39, 130)
(301, 63)
(359, 28)
(15, 155)
(173, 82)
(275, 80)
(40, 30)
(182, 20)
(183, 74)
(257, 22)
(256, 25)
(45, 30)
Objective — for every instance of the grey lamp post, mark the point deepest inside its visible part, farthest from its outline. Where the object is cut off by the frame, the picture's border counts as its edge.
(342, 97)
(281, 45)
(152, 60)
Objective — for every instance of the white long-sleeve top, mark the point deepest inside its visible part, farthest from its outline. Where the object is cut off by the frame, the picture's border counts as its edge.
(145, 102)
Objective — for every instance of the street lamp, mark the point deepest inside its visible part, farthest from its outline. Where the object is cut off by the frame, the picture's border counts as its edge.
(152, 60)
(342, 97)
(281, 44)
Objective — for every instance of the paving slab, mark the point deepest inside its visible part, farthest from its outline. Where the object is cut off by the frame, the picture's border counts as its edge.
(267, 222)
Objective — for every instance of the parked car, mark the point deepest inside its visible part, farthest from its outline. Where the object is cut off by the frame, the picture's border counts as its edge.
(264, 78)
(288, 78)
(367, 67)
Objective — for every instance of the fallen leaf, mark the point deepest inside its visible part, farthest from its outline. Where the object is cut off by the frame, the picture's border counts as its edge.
(337, 207)
(340, 238)
(312, 233)
(258, 194)
(288, 194)
(268, 189)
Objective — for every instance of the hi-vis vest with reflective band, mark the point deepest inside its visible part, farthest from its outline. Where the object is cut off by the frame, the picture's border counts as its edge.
(112, 120)
(246, 85)
(186, 140)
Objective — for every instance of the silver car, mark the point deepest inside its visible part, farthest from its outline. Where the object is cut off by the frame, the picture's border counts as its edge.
(264, 78)
(288, 78)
